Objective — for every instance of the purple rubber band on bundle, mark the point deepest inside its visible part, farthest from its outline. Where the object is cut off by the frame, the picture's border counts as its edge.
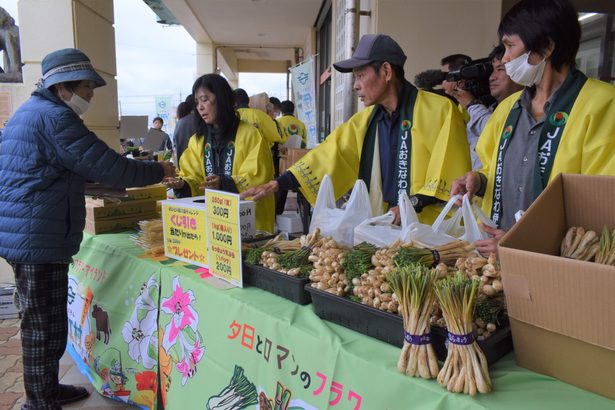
(466, 339)
(417, 339)
(436, 257)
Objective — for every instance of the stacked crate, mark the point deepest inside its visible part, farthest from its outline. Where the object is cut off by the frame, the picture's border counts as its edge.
(108, 214)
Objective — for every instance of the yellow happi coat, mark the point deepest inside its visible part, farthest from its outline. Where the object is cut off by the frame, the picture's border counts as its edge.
(252, 166)
(290, 125)
(587, 145)
(263, 122)
(439, 154)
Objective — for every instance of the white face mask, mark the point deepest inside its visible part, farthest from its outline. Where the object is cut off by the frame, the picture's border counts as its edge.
(78, 104)
(522, 72)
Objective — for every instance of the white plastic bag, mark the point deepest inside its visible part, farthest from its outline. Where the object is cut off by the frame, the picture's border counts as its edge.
(424, 235)
(473, 232)
(340, 223)
(451, 226)
(379, 230)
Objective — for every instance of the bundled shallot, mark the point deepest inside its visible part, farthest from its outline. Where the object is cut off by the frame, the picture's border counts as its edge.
(328, 274)
(580, 244)
(465, 369)
(413, 286)
(372, 288)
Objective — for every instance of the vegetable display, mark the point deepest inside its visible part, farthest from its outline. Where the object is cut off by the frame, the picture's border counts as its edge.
(328, 274)
(290, 257)
(606, 254)
(358, 260)
(413, 286)
(431, 257)
(465, 368)
(580, 244)
(372, 288)
(485, 270)
(586, 245)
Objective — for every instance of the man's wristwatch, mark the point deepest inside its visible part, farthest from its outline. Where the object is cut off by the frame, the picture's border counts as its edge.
(416, 203)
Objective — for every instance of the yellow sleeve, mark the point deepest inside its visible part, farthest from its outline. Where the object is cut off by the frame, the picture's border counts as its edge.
(596, 121)
(267, 126)
(192, 164)
(440, 150)
(487, 144)
(253, 166)
(338, 156)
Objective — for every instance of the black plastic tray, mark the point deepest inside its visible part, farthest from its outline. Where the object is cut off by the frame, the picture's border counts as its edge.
(389, 327)
(281, 284)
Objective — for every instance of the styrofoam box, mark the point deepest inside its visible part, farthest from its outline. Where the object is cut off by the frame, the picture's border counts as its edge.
(8, 310)
(289, 222)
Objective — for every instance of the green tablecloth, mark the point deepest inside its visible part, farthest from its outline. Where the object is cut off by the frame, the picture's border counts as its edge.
(138, 325)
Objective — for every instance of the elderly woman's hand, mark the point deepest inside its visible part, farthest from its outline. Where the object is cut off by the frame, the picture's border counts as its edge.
(169, 168)
(173, 183)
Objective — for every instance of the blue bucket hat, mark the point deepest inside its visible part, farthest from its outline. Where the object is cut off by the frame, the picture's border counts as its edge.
(68, 64)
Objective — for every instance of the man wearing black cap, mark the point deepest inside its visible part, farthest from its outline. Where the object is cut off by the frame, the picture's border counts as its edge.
(405, 140)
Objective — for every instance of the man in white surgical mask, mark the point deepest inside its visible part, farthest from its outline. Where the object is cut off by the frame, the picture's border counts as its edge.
(561, 121)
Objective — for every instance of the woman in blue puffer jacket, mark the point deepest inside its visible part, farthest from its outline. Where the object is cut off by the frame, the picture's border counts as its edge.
(46, 155)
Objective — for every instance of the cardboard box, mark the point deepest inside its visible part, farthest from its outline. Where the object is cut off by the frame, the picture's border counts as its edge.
(97, 226)
(8, 310)
(562, 310)
(154, 192)
(293, 155)
(121, 210)
(289, 222)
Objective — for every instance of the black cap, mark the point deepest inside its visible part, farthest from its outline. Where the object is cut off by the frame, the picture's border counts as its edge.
(373, 47)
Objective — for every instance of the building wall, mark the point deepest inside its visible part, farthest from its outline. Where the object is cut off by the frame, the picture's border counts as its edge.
(48, 25)
(428, 30)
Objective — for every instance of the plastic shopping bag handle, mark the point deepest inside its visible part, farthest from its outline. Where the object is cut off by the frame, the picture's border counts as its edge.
(447, 208)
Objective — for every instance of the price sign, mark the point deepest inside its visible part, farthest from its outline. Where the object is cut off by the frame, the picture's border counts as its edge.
(224, 236)
(185, 232)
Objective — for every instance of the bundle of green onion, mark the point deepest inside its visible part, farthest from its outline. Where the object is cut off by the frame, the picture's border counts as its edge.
(465, 369)
(295, 258)
(278, 244)
(359, 260)
(606, 252)
(431, 257)
(413, 285)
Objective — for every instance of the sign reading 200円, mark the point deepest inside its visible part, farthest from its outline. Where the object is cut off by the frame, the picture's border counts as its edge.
(224, 236)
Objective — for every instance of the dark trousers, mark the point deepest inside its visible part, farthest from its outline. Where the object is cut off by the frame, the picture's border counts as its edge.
(42, 292)
(280, 201)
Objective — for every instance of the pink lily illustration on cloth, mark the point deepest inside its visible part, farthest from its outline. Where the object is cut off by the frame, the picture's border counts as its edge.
(183, 313)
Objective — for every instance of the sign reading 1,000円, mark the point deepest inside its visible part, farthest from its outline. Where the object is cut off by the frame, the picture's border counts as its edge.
(224, 236)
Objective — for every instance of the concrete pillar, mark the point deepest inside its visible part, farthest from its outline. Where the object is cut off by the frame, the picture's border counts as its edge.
(49, 25)
(205, 59)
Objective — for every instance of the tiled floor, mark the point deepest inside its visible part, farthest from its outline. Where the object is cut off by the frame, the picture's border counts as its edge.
(11, 379)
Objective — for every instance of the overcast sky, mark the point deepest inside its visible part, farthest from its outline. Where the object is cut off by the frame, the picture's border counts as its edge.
(157, 60)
